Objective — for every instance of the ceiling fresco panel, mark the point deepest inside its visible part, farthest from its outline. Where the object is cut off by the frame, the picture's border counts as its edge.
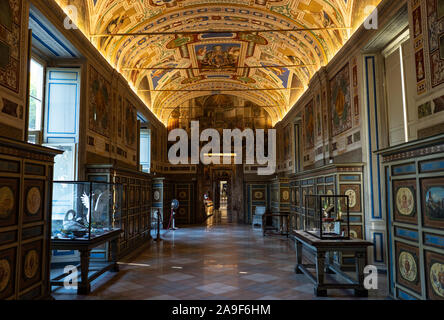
(265, 51)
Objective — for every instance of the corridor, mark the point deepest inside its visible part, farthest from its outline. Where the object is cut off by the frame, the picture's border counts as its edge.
(226, 262)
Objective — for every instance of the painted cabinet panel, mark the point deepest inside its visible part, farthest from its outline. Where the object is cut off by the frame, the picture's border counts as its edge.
(25, 208)
(414, 183)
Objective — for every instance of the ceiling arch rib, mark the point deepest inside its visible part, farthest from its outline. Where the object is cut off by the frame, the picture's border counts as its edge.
(184, 41)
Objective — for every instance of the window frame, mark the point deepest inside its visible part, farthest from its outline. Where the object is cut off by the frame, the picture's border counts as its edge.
(144, 131)
(37, 134)
(395, 46)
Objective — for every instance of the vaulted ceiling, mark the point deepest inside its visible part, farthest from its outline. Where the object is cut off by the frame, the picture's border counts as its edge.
(171, 51)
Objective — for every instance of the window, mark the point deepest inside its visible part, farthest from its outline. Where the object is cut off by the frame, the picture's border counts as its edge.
(145, 149)
(36, 101)
(399, 82)
(62, 105)
(61, 116)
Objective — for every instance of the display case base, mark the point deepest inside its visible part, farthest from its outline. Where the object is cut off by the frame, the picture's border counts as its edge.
(88, 271)
(322, 250)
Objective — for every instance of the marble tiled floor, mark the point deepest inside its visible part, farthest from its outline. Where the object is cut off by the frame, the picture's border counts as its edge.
(228, 262)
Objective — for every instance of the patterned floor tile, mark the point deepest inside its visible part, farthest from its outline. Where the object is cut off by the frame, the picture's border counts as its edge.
(183, 260)
(175, 276)
(253, 261)
(225, 262)
(217, 288)
(260, 277)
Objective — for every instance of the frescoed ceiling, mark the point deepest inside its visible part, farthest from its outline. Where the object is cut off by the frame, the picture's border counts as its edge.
(172, 51)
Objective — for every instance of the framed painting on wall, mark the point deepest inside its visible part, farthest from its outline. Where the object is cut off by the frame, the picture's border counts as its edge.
(432, 198)
(287, 145)
(404, 201)
(10, 44)
(341, 109)
(435, 19)
(130, 125)
(99, 103)
(309, 126)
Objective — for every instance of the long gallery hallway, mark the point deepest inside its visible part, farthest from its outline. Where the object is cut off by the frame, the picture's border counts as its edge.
(226, 262)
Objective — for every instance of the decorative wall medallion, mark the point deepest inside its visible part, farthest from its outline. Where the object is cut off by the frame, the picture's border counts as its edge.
(405, 201)
(351, 197)
(156, 195)
(33, 201)
(31, 264)
(353, 234)
(407, 266)
(285, 195)
(258, 194)
(356, 232)
(437, 278)
(434, 266)
(5, 274)
(353, 191)
(6, 202)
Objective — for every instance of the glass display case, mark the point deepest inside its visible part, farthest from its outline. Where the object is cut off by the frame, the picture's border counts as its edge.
(327, 216)
(85, 210)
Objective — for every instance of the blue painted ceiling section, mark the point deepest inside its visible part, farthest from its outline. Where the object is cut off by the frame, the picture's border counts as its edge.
(48, 39)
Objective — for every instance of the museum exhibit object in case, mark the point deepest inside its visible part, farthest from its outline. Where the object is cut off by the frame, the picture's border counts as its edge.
(322, 250)
(86, 215)
(85, 210)
(327, 216)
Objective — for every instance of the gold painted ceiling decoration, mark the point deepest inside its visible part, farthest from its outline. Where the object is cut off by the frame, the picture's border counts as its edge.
(171, 51)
